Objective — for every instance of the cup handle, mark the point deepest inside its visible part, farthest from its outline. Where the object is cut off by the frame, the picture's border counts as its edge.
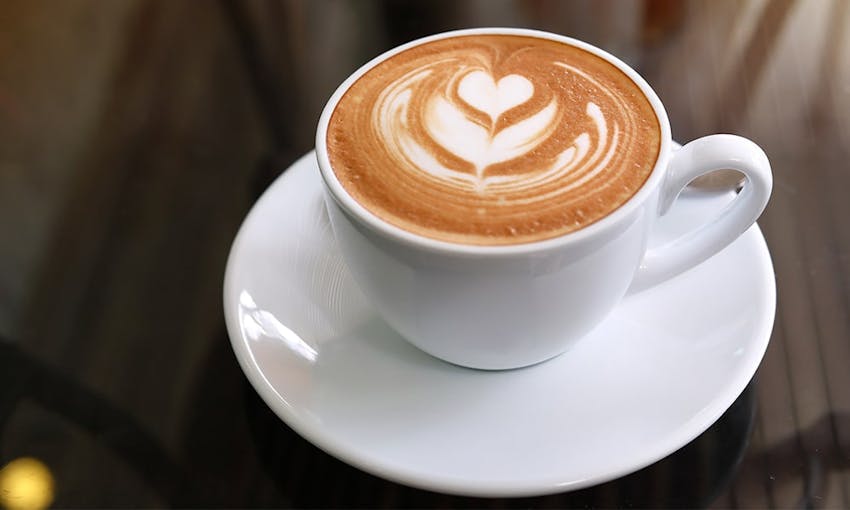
(697, 158)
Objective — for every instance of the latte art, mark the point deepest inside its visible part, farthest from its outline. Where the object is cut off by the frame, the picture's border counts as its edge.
(493, 139)
(482, 142)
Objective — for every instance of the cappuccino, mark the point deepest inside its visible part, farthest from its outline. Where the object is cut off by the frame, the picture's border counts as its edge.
(493, 139)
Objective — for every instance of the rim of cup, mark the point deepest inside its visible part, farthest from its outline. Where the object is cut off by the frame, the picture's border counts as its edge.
(386, 229)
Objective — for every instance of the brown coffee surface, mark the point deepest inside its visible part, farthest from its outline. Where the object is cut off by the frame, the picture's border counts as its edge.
(493, 139)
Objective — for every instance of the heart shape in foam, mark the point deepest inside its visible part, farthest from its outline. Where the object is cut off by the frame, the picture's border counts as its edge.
(480, 91)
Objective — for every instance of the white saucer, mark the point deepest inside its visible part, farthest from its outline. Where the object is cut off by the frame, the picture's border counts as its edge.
(661, 369)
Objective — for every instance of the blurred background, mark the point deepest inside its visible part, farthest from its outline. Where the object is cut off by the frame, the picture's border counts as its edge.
(136, 134)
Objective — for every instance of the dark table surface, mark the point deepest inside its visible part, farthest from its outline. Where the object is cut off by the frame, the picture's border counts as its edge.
(135, 136)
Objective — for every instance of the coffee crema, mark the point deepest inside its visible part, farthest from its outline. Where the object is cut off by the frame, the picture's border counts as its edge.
(493, 139)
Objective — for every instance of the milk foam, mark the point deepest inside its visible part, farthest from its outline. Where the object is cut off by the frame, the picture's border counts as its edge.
(480, 143)
(499, 138)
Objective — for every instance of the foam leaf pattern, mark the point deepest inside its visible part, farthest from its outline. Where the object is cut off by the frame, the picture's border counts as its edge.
(522, 137)
(449, 126)
(452, 130)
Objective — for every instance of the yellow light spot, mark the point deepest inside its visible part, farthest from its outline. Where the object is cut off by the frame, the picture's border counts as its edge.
(25, 484)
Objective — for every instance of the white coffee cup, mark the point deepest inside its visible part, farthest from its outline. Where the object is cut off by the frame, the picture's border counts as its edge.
(499, 307)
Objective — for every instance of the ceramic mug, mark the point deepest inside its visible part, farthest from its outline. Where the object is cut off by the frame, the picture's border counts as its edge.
(500, 307)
